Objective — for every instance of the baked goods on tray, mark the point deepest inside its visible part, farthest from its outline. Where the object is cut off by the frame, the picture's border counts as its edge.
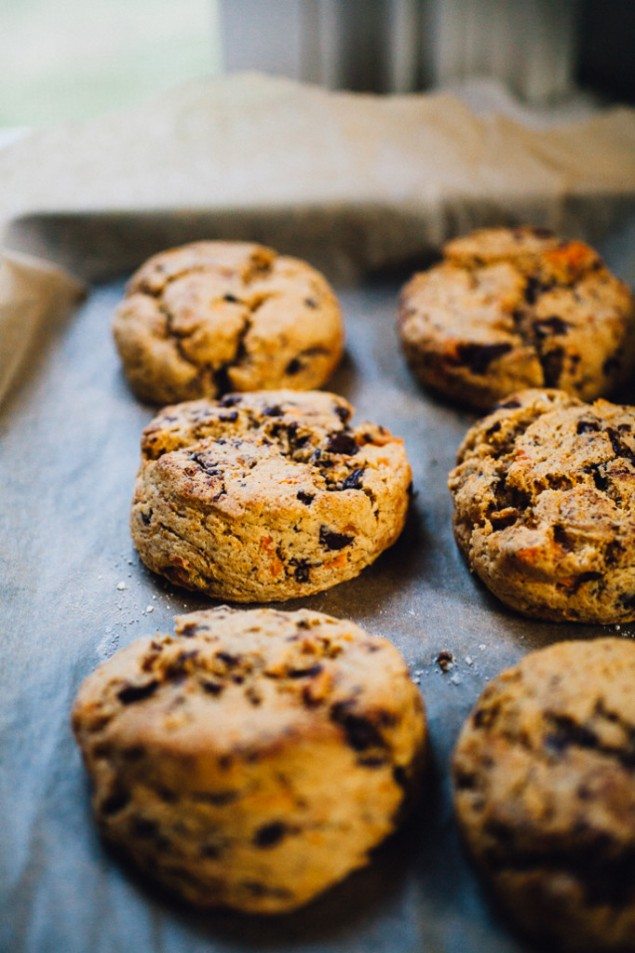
(266, 496)
(510, 308)
(253, 758)
(213, 317)
(544, 506)
(544, 792)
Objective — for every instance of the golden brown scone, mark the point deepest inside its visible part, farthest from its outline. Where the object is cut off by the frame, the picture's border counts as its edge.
(266, 496)
(254, 758)
(213, 317)
(544, 506)
(545, 792)
(516, 307)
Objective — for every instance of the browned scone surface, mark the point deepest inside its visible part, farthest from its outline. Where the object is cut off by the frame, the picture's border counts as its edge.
(544, 506)
(266, 496)
(255, 757)
(509, 308)
(544, 775)
(213, 317)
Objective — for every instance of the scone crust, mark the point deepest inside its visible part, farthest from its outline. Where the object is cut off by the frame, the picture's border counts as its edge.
(544, 506)
(266, 496)
(544, 792)
(212, 317)
(510, 308)
(253, 758)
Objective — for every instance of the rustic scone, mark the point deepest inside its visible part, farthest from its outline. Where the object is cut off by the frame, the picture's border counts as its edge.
(213, 317)
(254, 758)
(545, 792)
(266, 496)
(516, 307)
(544, 506)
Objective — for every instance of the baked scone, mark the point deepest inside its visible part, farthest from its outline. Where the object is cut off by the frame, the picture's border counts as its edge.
(545, 792)
(544, 506)
(255, 757)
(266, 496)
(214, 317)
(510, 308)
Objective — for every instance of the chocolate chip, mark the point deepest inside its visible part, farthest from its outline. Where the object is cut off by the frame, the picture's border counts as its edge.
(230, 660)
(533, 288)
(274, 411)
(342, 412)
(509, 404)
(115, 802)
(231, 299)
(332, 540)
(212, 688)
(599, 478)
(354, 480)
(306, 498)
(146, 517)
(310, 302)
(305, 672)
(230, 400)
(552, 325)
(587, 426)
(342, 443)
(270, 834)
(302, 569)
(143, 827)
(228, 418)
(360, 732)
(552, 364)
(620, 449)
(136, 693)
(189, 630)
(561, 538)
(445, 660)
(478, 357)
(294, 366)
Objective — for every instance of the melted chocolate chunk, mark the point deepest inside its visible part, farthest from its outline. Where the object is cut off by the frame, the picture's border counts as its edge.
(587, 426)
(478, 357)
(270, 834)
(136, 693)
(552, 325)
(552, 364)
(302, 569)
(359, 731)
(115, 802)
(354, 480)
(331, 540)
(342, 443)
(305, 672)
(294, 366)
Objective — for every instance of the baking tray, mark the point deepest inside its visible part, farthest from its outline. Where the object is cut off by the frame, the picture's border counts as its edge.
(69, 452)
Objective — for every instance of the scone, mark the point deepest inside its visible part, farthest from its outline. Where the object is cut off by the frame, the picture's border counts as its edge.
(266, 496)
(545, 792)
(213, 317)
(544, 506)
(510, 308)
(254, 758)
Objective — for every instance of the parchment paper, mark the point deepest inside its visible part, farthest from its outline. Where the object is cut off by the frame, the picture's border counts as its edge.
(354, 182)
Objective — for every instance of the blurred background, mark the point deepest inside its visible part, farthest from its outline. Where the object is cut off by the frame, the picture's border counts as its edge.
(73, 59)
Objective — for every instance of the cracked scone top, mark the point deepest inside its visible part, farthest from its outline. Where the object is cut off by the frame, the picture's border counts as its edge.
(266, 496)
(544, 506)
(544, 792)
(514, 308)
(213, 317)
(255, 757)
